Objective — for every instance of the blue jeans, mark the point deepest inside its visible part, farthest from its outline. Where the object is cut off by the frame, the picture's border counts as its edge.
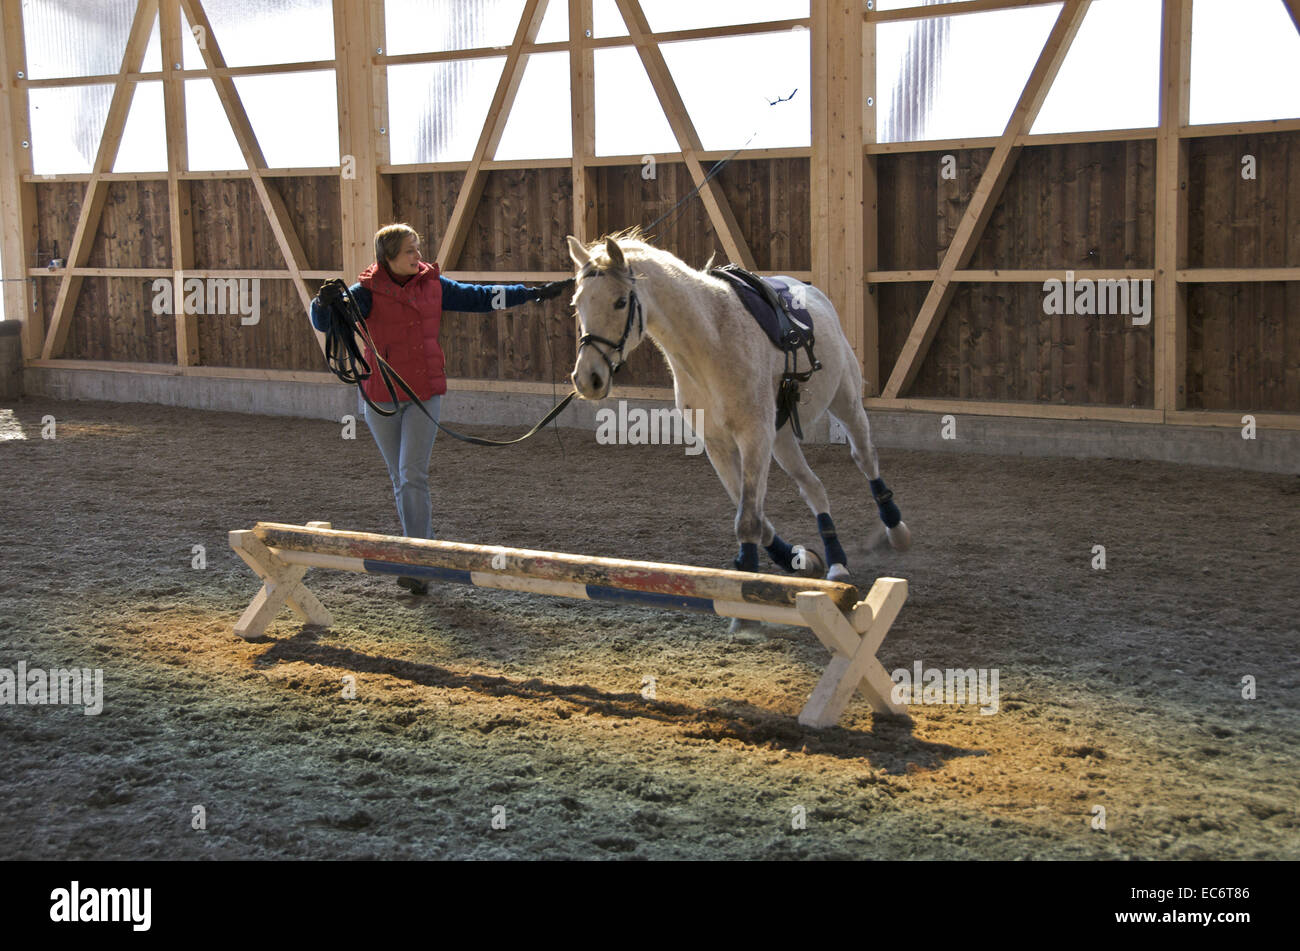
(405, 441)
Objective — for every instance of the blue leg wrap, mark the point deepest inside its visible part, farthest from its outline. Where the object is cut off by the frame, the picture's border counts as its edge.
(834, 553)
(781, 553)
(889, 513)
(747, 560)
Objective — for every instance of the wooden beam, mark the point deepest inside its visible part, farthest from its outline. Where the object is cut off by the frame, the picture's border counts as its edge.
(870, 356)
(471, 187)
(999, 276)
(19, 234)
(838, 213)
(1119, 414)
(1170, 324)
(986, 196)
(180, 218)
(92, 205)
(1236, 275)
(688, 140)
(582, 99)
(272, 202)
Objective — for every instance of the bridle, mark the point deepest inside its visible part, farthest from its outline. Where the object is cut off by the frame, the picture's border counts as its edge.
(634, 313)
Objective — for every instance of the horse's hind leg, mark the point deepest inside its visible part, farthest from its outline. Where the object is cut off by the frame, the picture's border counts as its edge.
(846, 406)
(790, 457)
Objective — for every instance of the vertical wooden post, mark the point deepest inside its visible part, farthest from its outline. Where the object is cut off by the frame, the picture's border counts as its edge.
(180, 219)
(838, 257)
(870, 353)
(17, 197)
(359, 188)
(582, 98)
(1170, 324)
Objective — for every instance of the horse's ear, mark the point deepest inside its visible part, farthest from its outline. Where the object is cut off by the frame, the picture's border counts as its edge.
(578, 252)
(615, 254)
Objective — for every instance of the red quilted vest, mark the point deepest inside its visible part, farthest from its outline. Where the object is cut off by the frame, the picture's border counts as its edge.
(403, 322)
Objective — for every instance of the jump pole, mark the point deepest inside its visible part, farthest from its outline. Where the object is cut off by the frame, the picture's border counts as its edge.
(852, 628)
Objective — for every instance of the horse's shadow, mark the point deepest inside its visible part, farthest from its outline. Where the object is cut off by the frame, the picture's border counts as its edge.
(889, 740)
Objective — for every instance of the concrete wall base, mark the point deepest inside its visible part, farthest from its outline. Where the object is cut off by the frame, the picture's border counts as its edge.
(1269, 451)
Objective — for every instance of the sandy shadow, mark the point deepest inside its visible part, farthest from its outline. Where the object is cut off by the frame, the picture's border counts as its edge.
(731, 719)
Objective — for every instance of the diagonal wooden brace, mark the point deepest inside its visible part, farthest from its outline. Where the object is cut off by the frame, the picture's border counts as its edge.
(853, 639)
(281, 585)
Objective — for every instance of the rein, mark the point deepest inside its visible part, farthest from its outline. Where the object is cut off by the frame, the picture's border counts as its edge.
(349, 364)
(634, 313)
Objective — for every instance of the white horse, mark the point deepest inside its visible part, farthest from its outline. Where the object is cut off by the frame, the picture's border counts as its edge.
(724, 364)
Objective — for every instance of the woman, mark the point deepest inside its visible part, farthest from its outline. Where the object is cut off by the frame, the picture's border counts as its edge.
(402, 298)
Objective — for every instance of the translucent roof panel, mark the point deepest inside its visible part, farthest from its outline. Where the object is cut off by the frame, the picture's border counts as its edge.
(957, 76)
(666, 15)
(1110, 78)
(436, 111)
(629, 119)
(304, 136)
(75, 38)
(555, 23)
(432, 26)
(212, 143)
(262, 32)
(540, 125)
(606, 20)
(760, 100)
(1245, 61)
(67, 123)
(144, 136)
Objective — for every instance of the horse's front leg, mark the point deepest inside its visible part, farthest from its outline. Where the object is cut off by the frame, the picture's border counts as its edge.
(754, 458)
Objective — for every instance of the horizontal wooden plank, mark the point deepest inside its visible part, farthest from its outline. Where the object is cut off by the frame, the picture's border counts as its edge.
(1009, 276)
(1236, 275)
(1024, 410)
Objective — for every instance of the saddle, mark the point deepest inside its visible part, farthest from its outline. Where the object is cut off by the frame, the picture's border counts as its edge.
(790, 329)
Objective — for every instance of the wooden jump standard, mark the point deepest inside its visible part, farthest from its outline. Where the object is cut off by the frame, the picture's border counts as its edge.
(852, 629)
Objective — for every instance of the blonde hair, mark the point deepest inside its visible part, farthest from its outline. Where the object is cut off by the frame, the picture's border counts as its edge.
(389, 240)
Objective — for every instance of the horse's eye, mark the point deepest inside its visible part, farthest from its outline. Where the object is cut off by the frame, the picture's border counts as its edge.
(620, 303)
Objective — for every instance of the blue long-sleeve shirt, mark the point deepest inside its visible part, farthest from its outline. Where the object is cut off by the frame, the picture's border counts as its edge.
(465, 298)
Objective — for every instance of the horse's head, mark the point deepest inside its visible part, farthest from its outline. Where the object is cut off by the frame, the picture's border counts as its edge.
(609, 314)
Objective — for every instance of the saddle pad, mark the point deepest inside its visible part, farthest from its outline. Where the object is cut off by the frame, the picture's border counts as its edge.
(762, 312)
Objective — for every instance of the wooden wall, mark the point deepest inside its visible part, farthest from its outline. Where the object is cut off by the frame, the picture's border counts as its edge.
(1243, 340)
(114, 318)
(1077, 205)
(1081, 205)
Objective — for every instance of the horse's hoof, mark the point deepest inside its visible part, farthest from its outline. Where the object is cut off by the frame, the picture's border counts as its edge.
(746, 631)
(838, 572)
(900, 539)
(807, 563)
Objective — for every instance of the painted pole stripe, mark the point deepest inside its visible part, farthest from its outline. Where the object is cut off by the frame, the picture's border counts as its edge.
(453, 575)
(685, 581)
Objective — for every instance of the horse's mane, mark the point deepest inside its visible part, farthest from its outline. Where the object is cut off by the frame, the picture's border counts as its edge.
(629, 239)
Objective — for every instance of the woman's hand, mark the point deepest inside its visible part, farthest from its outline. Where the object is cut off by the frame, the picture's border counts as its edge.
(552, 290)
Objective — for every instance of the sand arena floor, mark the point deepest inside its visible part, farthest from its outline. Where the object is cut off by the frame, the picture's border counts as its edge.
(1119, 688)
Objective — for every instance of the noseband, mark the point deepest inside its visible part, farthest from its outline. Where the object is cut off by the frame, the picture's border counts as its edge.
(634, 313)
